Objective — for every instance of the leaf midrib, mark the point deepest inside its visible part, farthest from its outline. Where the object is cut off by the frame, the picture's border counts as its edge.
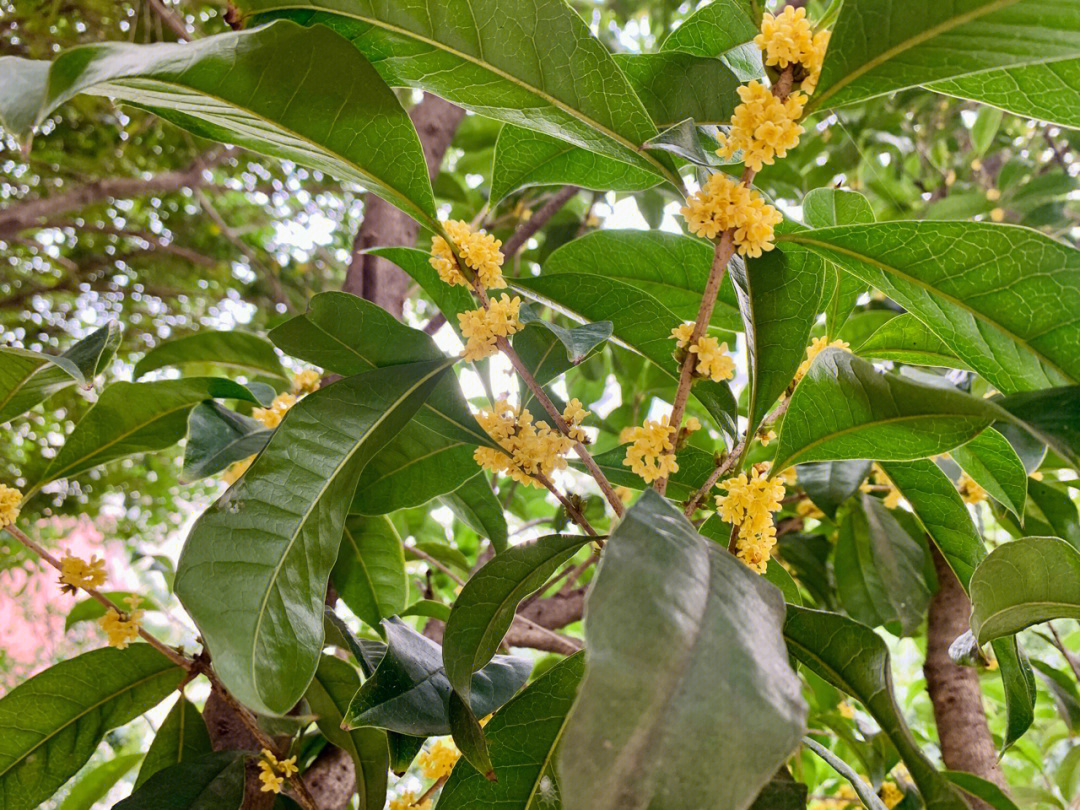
(997, 615)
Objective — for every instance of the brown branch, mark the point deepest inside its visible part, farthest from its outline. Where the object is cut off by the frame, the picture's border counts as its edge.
(537, 221)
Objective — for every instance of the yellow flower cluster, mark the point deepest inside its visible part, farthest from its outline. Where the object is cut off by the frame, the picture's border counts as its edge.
(816, 347)
(274, 772)
(271, 417)
(481, 327)
(766, 437)
(749, 504)
(575, 414)
(892, 497)
(122, 628)
(713, 361)
(306, 381)
(890, 794)
(77, 573)
(437, 761)
(479, 250)
(970, 491)
(407, 801)
(651, 453)
(10, 502)
(722, 204)
(528, 448)
(788, 39)
(763, 127)
(807, 510)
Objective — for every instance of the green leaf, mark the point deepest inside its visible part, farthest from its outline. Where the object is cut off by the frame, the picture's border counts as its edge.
(675, 86)
(218, 437)
(93, 786)
(348, 335)
(829, 483)
(843, 408)
(526, 158)
(579, 342)
(680, 637)
(715, 28)
(1062, 688)
(51, 724)
(429, 608)
(862, 789)
(1048, 91)
(450, 300)
(1052, 416)
(778, 295)
(130, 418)
(485, 607)
(522, 739)
(331, 689)
(1002, 297)
(486, 59)
(987, 122)
(409, 692)
(781, 793)
(720, 532)
(905, 339)
(243, 351)
(670, 267)
(1051, 510)
(877, 49)
(822, 208)
(301, 94)
(1019, 683)
(475, 505)
(981, 789)
(180, 738)
(692, 143)
(855, 660)
(990, 460)
(90, 609)
(28, 378)
(211, 782)
(369, 574)
(469, 735)
(1022, 583)
(254, 570)
(879, 568)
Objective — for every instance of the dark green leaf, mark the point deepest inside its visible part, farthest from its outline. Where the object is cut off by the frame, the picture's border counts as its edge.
(981, 789)
(781, 793)
(1062, 687)
(254, 570)
(990, 460)
(675, 86)
(476, 506)
(211, 782)
(690, 142)
(469, 735)
(715, 28)
(369, 574)
(243, 351)
(829, 483)
(181, 737)
(51, 724)
(1051, 511)
(218, 437)
(680, 635)
(449, 300)
(1019, 683)
(93, 786)
(905, 339)
(579, 342)
(1052, 415)
(1046, 91)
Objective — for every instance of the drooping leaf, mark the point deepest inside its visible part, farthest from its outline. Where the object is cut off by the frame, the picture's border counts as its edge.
(409, 692)
(218, 437)
(130, 418)
(843, 408)
(715, 28)
(526, 158)
(829, 483)
(96, 783)
(1019, 683)
(905, 339)
(475, 505)
(680, 635)
(210, 782)
(28, 378)
(855, 660)
(254, 570)
(522, 740)
(880, 48)
(51, 723)
(990, 460)
(1022, 583)
(981, 789)
(468, 735)
(243, 351)
(429, 608)
(579, 341)
(1001, 297)
(291, 92)
(329, 693)
(182, 736)
(485, 607)
(90, 609)
(1052, 415)
(778, 296)
(863, 790)
(369, 574)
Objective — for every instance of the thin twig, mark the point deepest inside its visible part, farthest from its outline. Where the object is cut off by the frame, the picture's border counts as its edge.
(423, 555)
(528, 229)
(430, 791)
(1073, 665)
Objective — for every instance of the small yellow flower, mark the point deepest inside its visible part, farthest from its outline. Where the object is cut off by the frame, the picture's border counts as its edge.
(10, 503)
(527, 448)
(234, 471)
(890, 794)
(997, 215)
(478, 250)
(482, 327)
(1037, 475)
(271, 417)
(970, 491)
(763, 127)
(651, 452)
(624, 493)
(816, 347)
(767, 438)
(846, 710)
(749, 504)
(723, 204)
(306, 381)
(976, 165)
(788, 38)
(950, 178)
(891, 498)
(407, 801)
(77, 573)
(575, 414)
(437, 761)
(122, 628)
(807, 509)
(273, 772)
(692, 424)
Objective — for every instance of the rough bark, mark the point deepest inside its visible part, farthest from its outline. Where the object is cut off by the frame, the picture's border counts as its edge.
(966, 744)
(331, 779)
(228, 733)
(376, 279)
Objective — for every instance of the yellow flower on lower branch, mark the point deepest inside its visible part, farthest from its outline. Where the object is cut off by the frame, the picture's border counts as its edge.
(749, 504)
(122, 628)
(273, 772)
(575, 414)
(526, 448)
(890, 794)
(437, 761)
(10, 503)
(482, 327)
(407, 801)
(77, 573)
(651, 453)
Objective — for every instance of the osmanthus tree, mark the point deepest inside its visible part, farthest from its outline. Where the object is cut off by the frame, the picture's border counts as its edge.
(731, 553)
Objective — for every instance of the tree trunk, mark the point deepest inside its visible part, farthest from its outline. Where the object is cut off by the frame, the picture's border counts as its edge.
(966, 744)
(228, 733)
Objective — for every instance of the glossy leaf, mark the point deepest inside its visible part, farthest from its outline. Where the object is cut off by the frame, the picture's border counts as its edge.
(1052, 416)
(417, 265)
(475, 505)
(331, 689)
(855, 660)
(905, 339)
(51, 724)
(1051, 511)
(130, 418)
(692, 143)
(90, 609)
(843, 408)
(981, 789)
(1019, 683)
(825, 207)
(829, 483)
(579, 341)
(211, 782)
(409, 692)
(181, 737)
(96, 783)
(243, 351)
(675, 86)
(254, 570)
(878, 48)
(990, 460)
(778, 296)
(715, 28)
(680, 634)
(218, 437)
(522, 740)
(1022, 583)
(369, 574)
(1001, 297)
(325, 108)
